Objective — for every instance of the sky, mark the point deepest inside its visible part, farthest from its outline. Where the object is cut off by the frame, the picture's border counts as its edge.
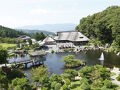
(17, 13)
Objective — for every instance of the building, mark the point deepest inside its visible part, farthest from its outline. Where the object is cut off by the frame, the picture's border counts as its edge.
(74, 37)
(24, 37)
(33, 41)
(49, 40)
(67, 39)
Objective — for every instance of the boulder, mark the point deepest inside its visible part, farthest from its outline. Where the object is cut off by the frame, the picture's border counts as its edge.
(118, 54)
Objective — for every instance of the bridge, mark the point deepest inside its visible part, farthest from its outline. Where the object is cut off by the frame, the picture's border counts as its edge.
(34, 62)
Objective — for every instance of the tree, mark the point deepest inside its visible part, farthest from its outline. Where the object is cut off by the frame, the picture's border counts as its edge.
(15, 73)
(37, 36)
(53, 84)
(3, 80)
(20, 84)
(65, 87)
(70, 61)
(116, 43)
(108, 83)
(70, 74)
(95, 77)
(85, 72)
(40, 75)
(9, 40)
(3, 56)
(40, 36)
(85, 86)
(30, 41)
(56, 78)
(57, 86)
(104, 26)
(11, 33)
(104, 73)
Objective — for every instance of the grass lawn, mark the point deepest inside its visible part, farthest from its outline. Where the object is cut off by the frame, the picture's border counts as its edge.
(7, 46)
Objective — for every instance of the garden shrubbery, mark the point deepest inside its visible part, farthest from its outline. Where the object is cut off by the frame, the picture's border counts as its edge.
(118, 78)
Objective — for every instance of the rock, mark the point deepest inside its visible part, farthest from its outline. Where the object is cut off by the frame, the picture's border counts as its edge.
(118, 54)
(78, 78)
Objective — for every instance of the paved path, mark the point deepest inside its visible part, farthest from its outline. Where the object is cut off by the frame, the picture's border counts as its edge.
(1, 65)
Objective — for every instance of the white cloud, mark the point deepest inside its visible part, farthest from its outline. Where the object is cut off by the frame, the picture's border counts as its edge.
(39, 11)
(46, 11)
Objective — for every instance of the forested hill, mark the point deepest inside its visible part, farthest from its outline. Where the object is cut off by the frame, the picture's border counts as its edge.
(7, 32)
(33, 32)
(104, 26)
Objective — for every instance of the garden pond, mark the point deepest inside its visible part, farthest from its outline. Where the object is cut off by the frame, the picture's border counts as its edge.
(56, 66)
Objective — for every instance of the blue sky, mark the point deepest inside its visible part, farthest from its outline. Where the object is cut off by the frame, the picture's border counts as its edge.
(16, 13)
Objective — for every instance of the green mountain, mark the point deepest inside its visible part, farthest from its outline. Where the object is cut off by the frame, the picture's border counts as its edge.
(104, 26)
(8, 32)
(34, 31)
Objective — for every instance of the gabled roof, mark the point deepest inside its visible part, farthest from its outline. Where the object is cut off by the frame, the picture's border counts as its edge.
(24, 37)
(71, 36)
(48, 39)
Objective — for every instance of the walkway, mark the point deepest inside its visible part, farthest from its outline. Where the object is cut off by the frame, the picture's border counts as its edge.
(9, 65)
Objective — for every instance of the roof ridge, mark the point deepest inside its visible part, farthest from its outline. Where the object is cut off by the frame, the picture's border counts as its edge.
(66, 31)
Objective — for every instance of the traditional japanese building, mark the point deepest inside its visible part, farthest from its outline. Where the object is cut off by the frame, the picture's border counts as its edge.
(75, 37)
(67, 39)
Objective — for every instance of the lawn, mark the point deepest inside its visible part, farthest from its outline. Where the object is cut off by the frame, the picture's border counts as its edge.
(7, 46)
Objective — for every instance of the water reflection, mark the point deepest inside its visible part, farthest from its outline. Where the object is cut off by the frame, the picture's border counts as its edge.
(102, 62)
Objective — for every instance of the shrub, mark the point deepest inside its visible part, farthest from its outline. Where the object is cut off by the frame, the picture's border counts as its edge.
(118, 78)
(107, 83)
(52, 51)
(67, 82)
(104, 88)
(57, 86)
(65, 87)
(66, 50)
(112, 74)
(11, 54)
(26, 48)
(53, 84)
(20, 84)
(85, 86)
(72, 49)
(12, 66)
(71, 73)
(70, 61)
(35, 45)
(83, 61)
(44, 88)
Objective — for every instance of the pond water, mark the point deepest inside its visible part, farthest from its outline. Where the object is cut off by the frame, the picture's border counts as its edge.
(55, 65)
